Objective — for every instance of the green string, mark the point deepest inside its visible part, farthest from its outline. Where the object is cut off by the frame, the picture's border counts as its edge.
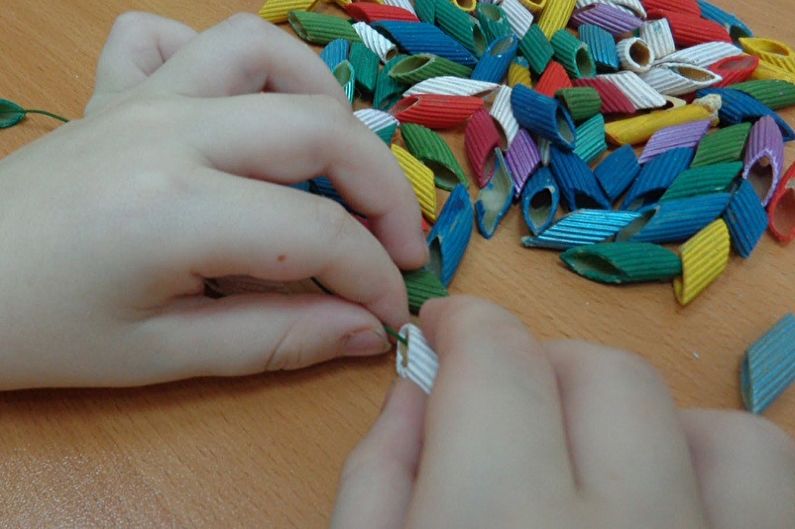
(45, 113)
(394, 334)
(12, 114)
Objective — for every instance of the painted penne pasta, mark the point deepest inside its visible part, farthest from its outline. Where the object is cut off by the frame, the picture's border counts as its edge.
(425, 10)
(519, 73)
(335, 52)
(544, 149)
(690, 30)
(433, 151)
(657, 34)
(421, 178)
(535, 6)
(519, 17)
(781, 209)
(403, 4)
(502, 112)
(435, 111)
(387, 90)
(764, 158)
(581, 227)
(452, 86)
(582, 102)
(768, 71)
(631, 5)
(656, 177)
(746, 218)
(323, 187)
(638, 91)
(415, 359)
(493, 65)
(573, 54)
(704, 180)
(382, 123)
(737, 107)
(771, 51)
(346, 77)
(704, 55)
(553, 80)
(543, 116)
(635, 55)
(688, 135)
(675, 79)
(523, 159)
(615, 20)
(495, 199)
(769, 366)
(318, 28)
(555, 16)
(737, 28)
(373, 12)
(450, 235)
(772, 93)
(578, 185)
(413, 69)
(619, 263)
(617, 172)
(704, 258)
(724, 145)
(591, 143)
(735, 69)
(422, 285)
(276, 11)
(414, 38)
(614, 101)
(481, 138)
(680, 6)
(535, 47)
(377, 43)
(540, 201)
(602, 46)
(493, 21)
(366, 65)
(459, 25)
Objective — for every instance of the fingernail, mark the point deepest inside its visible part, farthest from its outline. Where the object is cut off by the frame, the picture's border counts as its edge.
(367, 342)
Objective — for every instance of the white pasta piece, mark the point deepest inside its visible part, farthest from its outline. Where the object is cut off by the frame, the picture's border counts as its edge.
(405, 4)
(676, 78)
(635, 55)
(704, 55)
(377, 43)
(375, 120)
(502, 112)
(657, 34)
(416, 360)
(631, 6)
(452, 86)
(519, 17)
(639, 92)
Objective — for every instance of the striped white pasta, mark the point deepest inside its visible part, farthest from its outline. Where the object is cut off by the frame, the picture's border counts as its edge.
(452, 86)
(676, 78)
(416, 361)
(640, 93)
(657, 34)
(631, 6)
(404, 4)
(519, 17)
(377, 43)
(375, 119)
(635, 55)
(502, 112)
(704, 55)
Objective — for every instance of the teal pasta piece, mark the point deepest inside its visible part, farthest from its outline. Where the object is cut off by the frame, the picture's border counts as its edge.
(675, 220)
(573, 54)
(773, 93)
(769, 366)
(656, 177)
(346, 77)
(591, 141)
(450, 235)
(581, 227)
(493, 65)
(602, 46)
(704, 180)
(617, 172)
(417, 68)
(414, 38)
(495, 199)
(578, 185)
(543, 116)
(738, 107)
(623, 262)
(366, 65)
(724, 145)
(737, 28)
(462, 27)
(433, 151)
(321, 29)
(422, 285)
(493, 21)
(582, 102)
(746, 218)
(540, 201)
(383, 124)
(426, 10)
(335, 52)
(536, 49)
(388, 91)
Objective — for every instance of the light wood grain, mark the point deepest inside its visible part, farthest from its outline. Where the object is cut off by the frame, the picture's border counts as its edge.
(265, 451)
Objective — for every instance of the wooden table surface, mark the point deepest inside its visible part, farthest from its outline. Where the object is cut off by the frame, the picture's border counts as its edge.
(265, 451)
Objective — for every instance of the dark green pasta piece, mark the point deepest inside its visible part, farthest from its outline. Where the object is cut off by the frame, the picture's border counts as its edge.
(388, 91)
(433, 151)
(583, 102)
(321, 29)
(536, 49)
(623, 262)
(422, 285)
(366, 65)
(774, 93)
(724, 145)
(416, 68)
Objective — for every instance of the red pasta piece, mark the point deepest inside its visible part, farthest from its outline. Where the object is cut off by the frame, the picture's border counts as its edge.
(735, 69)
(781, 210)
(678, 6)
(554, 78)
(426, 226)
(689, 29)
(481, 137)
(372, 12)
(614, 101)
(436, 111)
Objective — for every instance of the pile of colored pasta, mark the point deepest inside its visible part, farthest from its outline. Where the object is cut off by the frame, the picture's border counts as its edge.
(540, 89)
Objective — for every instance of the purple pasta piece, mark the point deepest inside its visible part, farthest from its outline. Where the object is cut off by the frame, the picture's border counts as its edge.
(523, 159)
(687, 135)
(764, 158)
(608, 17)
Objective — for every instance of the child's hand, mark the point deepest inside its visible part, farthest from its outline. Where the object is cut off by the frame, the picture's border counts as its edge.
(563, 435)
(109, 225)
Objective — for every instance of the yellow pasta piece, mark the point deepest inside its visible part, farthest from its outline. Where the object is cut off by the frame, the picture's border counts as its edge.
(704, 258)
(518, 74)
(276, 11)
(468, 6)
(771, 51)
(632, 131)
(556, 16)
(534, 5)
(421, 178)
(766, 70)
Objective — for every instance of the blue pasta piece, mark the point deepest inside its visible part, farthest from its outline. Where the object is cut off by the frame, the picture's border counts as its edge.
(769, 366)
(540, 201)
(746, 219)
(736, 27)
(656, 176)
(543, 116)
(493, 65)
(581, 227)
(322, 186)
(591, 139)
(738, 107)
(617, 172)
(495, 199)
(449, 238)
(302, 186)
(602, 45)
(578, 185)
(419, 37)
(335, 52)
(675, 220)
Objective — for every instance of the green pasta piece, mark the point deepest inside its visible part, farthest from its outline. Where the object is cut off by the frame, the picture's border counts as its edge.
(774, 93)
(433, 151)
(321, 29)
(365, 63)
(425, 10)
(583, 102)
(724, 145)
(623, 262)
(416, 68)
(573, 54)
(591, 141)
(493, 21)
(422, 285)
(460, 26)
(388, 91)
(536, 49)
(346, 77)
(704, 180)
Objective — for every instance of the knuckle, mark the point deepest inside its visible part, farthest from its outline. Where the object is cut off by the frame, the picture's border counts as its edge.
(131, 21)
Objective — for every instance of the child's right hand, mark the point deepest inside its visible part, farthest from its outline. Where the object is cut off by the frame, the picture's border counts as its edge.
(109, 225)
